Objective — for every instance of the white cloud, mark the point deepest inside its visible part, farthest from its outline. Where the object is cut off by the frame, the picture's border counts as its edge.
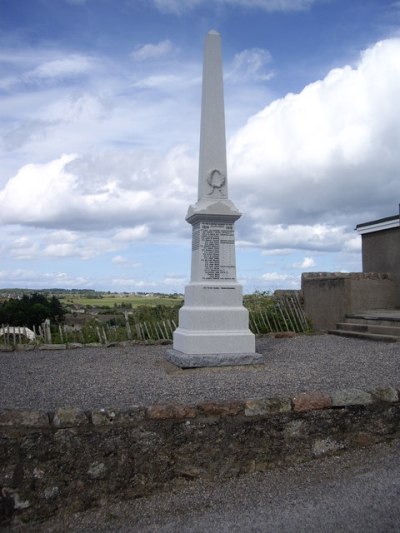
(176, 6)
(308, 262)
(276, 280)
(273, 5)
(132, 234)
(65, 67)
(122, 261)
(37, 280)
(152, 51)
(318, 237)
(60, 250)
(112, 109)
(87, 248)
(250, 64)
(304, 169)
(119, 260)
(276, 252)
(274, 276)
(158, 81)
(84, 107)
(36, 192)
(131, 283)
(68, 193)
(62, 236)
(36, 67)
(24, 244)
(23, 248)
(353, 245)
(325, 159)
(180, 6)
(175, 281)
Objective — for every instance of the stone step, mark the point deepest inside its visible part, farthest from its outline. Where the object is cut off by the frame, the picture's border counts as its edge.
(369, 327)
(377, 320)
(364, 335)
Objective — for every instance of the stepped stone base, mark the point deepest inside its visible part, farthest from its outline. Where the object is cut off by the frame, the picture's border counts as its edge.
(213, 328)
(184, 360)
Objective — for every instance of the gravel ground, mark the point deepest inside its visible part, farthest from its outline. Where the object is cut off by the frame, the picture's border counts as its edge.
(124, 376)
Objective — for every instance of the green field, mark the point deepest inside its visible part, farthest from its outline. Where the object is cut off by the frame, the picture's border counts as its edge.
(120, 300)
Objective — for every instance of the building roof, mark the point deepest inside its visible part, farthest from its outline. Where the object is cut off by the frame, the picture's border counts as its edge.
(379, 225)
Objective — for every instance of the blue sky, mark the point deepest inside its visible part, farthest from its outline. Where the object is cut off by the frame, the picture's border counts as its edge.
(99, 134)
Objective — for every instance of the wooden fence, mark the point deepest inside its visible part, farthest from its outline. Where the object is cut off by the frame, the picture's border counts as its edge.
(281, 314)
(284, 314)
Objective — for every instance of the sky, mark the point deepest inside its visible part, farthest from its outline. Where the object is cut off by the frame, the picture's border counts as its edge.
(99, 137)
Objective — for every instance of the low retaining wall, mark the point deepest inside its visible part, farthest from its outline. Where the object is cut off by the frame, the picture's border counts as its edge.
(71, 459)
(329, 296)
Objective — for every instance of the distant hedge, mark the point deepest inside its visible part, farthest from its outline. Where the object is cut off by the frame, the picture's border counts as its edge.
(31, 310)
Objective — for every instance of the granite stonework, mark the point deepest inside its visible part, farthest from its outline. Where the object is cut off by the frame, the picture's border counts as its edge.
(70, 460)
(184, 360)
(213, 323)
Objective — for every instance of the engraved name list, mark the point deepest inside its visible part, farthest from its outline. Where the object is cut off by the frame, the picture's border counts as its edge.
(216, 245)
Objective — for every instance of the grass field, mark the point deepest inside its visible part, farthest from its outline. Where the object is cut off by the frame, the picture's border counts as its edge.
(121, 300)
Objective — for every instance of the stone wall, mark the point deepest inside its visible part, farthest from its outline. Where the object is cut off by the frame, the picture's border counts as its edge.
(71, 459)
(329, 296)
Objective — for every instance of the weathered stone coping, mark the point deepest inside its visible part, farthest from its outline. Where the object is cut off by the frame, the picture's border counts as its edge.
(72, 459)
(24, 347)
(69, 417)
(347, 275)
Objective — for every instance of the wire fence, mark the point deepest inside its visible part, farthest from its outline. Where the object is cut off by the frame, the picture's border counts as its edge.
(281, 314)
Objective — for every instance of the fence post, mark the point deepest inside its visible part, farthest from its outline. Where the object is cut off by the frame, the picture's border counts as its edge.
(61, 335)
(295, 312)
(147, 331)
(128, 326)
(49, 337)
(99, 335)
(286, 311)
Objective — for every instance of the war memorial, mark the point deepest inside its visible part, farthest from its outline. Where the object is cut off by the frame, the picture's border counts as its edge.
(213, 324)
(90, 427)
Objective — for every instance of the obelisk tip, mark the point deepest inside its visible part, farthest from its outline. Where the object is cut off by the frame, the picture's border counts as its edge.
(213, 32)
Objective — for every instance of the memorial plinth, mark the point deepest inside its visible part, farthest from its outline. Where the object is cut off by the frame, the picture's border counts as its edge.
(213, 324)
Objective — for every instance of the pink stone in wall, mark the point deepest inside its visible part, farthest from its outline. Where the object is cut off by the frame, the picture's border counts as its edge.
(309, 401)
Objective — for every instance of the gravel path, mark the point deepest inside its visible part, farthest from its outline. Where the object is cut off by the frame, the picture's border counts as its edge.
(123, 376)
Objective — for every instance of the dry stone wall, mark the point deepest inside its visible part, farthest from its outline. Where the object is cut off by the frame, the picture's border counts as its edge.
(74, 459)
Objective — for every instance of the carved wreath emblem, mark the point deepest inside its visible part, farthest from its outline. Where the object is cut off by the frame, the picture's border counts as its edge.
(216, 180)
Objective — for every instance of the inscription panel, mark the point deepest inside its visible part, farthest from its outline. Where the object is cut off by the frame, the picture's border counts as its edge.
(215, 243)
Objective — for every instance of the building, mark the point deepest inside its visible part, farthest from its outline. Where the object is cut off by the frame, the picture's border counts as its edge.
(381, 248)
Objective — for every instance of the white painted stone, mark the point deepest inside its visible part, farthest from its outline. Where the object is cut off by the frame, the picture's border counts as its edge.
(213, 324)
(212, 160)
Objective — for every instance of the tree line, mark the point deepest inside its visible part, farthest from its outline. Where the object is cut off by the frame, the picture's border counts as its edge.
(31, 310)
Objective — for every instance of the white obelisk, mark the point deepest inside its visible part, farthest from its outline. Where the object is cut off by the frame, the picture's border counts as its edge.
(213, 324)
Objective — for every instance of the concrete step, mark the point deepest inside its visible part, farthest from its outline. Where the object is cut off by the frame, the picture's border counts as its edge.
(369, 327)
(364, 335)
(379, 320)
(352, 326)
